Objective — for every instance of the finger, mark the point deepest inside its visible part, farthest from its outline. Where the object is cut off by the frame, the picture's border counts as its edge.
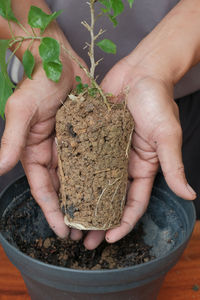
(15, 133)
(54, 179)
(76, 234)
(137, 202)
(94, 239)
(170, 157)
(140, 168)
(45, 195)
(114, 76)
(53, 170)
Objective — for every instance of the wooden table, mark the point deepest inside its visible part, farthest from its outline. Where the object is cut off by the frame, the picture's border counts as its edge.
(181, 283)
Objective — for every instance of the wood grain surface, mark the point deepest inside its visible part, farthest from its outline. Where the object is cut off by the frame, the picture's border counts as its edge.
(181, 283)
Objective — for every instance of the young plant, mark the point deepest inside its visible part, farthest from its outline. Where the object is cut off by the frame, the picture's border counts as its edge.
(49, 48)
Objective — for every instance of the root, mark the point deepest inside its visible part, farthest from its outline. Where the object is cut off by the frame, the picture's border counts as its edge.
(100, 197)
(129, 143)
(101, 171)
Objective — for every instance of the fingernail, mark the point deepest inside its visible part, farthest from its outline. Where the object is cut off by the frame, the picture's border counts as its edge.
(190, 189)
(64, 237)
(63, 234)
(107, 239)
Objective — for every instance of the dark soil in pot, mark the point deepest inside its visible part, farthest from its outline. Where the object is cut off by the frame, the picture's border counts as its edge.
(24, 226)
(167, 226)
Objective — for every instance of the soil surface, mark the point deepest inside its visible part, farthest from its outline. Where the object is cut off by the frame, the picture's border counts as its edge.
(93, 144)
(26, 228)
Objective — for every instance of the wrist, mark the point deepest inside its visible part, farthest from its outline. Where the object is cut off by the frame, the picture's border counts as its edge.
(21, 35)
(145, 69)
(173, 47)
(32, 42)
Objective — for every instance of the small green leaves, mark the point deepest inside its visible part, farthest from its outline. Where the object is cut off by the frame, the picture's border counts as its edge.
(37, 18)
(117, 7)
(4, 45)
(80, 86)
(131, 3)
(6, 11)
(5, 83)
(113, 8)
(113, 20)
(28, 63)
(49, 50)
(106, 3)
(53, 70)
(5, 92)
(107, 46)
(78, 79)
(92, 91)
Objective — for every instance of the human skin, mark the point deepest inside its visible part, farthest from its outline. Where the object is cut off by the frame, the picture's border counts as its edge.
(150, 73)
(30, 120)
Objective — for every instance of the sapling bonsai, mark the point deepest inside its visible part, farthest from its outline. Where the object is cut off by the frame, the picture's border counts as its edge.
(93, 134)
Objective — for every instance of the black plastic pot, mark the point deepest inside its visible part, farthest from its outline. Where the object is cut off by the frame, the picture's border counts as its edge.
(168, 224)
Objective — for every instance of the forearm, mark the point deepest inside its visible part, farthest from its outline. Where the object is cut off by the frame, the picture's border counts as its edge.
(173, 47)
(21, 9)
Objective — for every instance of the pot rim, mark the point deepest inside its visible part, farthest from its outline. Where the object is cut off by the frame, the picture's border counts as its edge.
(135, 267)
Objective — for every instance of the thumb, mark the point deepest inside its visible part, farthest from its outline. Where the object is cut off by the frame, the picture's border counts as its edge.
(170, 156)
(18, 116)
(113, 82)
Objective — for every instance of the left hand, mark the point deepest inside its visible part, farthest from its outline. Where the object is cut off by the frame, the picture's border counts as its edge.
(157, 139)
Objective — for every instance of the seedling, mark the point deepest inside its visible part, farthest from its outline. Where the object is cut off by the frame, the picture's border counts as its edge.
(49, 48)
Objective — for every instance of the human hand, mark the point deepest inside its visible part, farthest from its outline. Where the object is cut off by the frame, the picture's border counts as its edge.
(157, 138)
(29, 136)
(150, 73)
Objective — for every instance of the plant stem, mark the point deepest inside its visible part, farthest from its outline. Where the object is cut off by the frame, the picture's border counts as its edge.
(30, 45)
(23, 28)
(33, 31)
(87, 73)
(11, 31)
(91, 53)
(22, 38)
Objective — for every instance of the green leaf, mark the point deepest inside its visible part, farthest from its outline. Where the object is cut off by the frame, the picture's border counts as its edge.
(28, 63)
(4, 45)
(113, 20)
(5, 83)
(117, 6)
(53, 70)
(131, 3)
(79, 88)
(107, 46)
(37, 18)
(5, 92)
(78, 78)
(92, 91)
(49, 50)
(6, 11)
(105, 10)
(106, 3)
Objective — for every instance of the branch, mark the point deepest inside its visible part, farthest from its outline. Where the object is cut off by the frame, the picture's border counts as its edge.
(74, 58)
(101, 31)
(86, 25)
(91, 54)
